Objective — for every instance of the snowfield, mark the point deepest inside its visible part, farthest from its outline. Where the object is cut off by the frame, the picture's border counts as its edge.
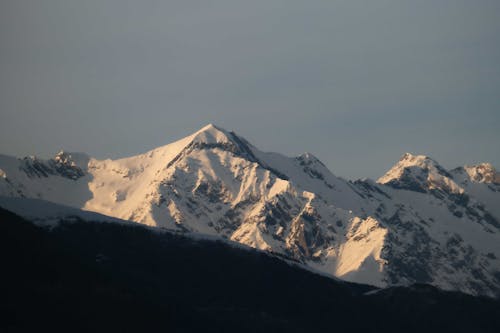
(417, 223)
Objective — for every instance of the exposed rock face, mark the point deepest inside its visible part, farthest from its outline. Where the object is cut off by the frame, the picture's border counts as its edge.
(482, 173)
(418, 223)
(61, 165)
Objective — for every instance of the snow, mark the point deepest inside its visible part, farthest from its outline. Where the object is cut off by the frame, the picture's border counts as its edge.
(360, 256)
(210, 134)
(251, 235)
(215, 184)
(47, 213)
(482, 173)
(419, 165)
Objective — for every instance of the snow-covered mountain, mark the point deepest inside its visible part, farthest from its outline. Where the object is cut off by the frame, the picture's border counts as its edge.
(417, 223)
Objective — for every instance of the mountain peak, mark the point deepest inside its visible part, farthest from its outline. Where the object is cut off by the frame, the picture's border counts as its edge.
(207, 138)
(209, 127)
(214, 182)
(419, 173)
(211, 134)
(72, 159)
(415, 160)
(408, 161)
(482, 173)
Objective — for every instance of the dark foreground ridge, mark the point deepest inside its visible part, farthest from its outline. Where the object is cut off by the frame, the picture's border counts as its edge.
(106, 277)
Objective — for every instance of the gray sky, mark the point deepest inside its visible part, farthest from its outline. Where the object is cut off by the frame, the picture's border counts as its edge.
(357, 83)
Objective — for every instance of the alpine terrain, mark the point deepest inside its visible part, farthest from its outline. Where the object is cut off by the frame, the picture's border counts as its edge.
(418, 223)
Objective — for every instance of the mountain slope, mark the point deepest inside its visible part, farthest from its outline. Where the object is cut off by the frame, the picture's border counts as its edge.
(419, 223)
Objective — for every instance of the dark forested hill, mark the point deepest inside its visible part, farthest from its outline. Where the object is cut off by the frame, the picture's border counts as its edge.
(83, 276)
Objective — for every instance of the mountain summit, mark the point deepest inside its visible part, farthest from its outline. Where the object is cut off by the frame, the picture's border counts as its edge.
(418, 223)
(419, 173)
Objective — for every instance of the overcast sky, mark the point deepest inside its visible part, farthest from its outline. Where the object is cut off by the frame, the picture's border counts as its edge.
(356, 83)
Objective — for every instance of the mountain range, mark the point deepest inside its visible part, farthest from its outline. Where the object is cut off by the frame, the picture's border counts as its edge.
(418, 223)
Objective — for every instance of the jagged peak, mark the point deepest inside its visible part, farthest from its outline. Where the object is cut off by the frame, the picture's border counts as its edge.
(63, 157)
(73, 159)
(61, 153)
(482, 173)
(414, 162)
(209, 126)
(208, 134)
(419, 173)
(408, 159)
(211, 134)
(212, 137)
(63, 164)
